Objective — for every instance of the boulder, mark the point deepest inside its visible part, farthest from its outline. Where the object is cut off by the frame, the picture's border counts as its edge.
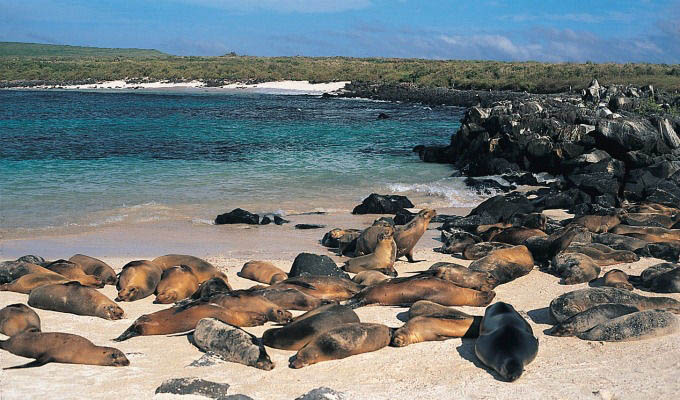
(194, 386)
(322, 393)
(382, 204)
(314, 264)
(403, 217)
(502, 207)
(237, 216)
(488, 186)
(623, 135)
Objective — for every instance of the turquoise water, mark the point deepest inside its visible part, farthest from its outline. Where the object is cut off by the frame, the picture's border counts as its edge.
(73, 158)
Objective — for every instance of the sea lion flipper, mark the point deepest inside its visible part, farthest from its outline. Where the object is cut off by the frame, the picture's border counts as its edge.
(129, 333)
(35, 363)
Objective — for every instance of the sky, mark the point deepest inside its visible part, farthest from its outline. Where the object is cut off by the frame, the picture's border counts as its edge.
(512, 30)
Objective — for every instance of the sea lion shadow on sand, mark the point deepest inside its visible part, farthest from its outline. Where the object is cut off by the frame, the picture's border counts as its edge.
(467, 352)
(541, 316)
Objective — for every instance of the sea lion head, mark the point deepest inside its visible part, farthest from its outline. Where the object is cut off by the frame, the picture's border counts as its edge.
(94, 281)
(279, 315)
(166, 297)
(112, 312)
(264, 362)
(427, 214)
(128, 294)
(385, 236)
(511, 369)
(303, 356)
(114, 357)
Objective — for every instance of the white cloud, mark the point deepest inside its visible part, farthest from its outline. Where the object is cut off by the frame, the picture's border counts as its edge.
(285, 6)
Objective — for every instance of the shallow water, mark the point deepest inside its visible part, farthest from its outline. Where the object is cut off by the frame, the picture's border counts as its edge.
(83, 159)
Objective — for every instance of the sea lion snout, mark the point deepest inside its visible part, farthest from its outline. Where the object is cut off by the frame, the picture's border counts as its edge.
(281, 316)
(511, 370)
(126, 294)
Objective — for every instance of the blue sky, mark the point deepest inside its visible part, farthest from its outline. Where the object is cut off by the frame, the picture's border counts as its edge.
(512, 30)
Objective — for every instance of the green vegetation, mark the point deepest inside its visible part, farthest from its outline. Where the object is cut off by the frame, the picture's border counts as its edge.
(59, 64)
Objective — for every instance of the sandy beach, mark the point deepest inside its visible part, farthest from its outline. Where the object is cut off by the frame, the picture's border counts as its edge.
(565, 368)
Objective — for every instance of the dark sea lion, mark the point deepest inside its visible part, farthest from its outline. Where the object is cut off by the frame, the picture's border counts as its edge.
(98, 268)
(263, 272)
(202, 269)
(337, 237)
(17, 318)
(343, 341)
(33, 259)
(74, 298)
(463, 276)
(662, 278)
(406, 291)
(137, 280)
(569, 304)
(231, 344)
(381, 259)
(482, 249)
(545, 248)
(617, 279)
(603, 255)
(368, 278)
(505, 265)
(291, 299)
(27, 283)
(13, 270)
(506, 342)
(47, 347)
(209, 288)
(73, 272)
(406, 236)
(457, 241)
(333, 288)
(653, 208)
(598, 223)
(246, 301)
(433, 327)
(649, 234)
(574, 268)
(184, 319)
(305, 327)
(647, 219)
(635, 326)
(177, 283)
(368, 238)
(516, 235)
(587, 319)
(487, 229)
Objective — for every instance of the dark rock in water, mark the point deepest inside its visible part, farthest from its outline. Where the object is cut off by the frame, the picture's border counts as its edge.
(488, 186)
(383, 116)
(664, 251)
(503, 207)
(521, 179)
(382, 204)
(322, 393)
(237, 216)
(280, 221)
(231, 344)
(309, 226)
(314, 264)
(194, 386)
(433, 154)
(37, 260)
(403, 217)
(619, 242)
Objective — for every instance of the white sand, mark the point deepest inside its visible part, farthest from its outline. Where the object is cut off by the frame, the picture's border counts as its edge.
(565, 368)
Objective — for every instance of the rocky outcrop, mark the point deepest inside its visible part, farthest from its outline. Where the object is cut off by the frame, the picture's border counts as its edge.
(382, 204)
(314, 264)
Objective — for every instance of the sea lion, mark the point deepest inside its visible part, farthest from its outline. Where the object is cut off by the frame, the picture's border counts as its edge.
(342, 240)
(457, 241)
(425, 328)
(617, 279)
(137, 280)
(634, 326)
(482, 249)
(587, 319)
(649, 234)
(76, 299)
(463, 276)
(27, 283)
(202, 269)
(263, 272)
(506, 342)
(13, 270)
(343, 341)
(47, 347)
(290, 298)
(603, 255)
(598, 223)
(406, 236)
(516, 235)
(406, 291)
(177, 283)
(425, 307)
(619, 242)
(569, 304)
(369, 278)
(544, 249)
(653, 208)
(487, 229)
(574, 268)
(368, 238)
(17, 318)
(209, 288)
(381, 259)
(505, 265)
(98, 268)
(246, 301)
(33, 259)
(324, 287)
(646, 219)
(305, 327)
(662, 278)
(73, 272)
(183, 319)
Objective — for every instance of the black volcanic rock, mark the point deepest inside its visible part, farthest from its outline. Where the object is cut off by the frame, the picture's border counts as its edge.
(382, 204)
(237, 216)
(314, 264)
(503, 207)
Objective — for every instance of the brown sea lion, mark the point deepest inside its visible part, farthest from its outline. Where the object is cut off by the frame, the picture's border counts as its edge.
(598, 223)
(406, 236)
(17, 318)
(505, 265)
(574, 268)
(98, 268)
(617, 279)
(406, 291)
(137, 280)
(603, 255)
(73, 272)
(653, 208)
(263, 272)
(202, 269)
(381, 259)
(482, 249)
(76, 299)
(47, 347)
(425, 307)
(209, 288)
(369, 278)
(463, 276)
(177, 283)
(324, 287)
(515, 235)
(27, 283)
(433, 327)
(368, 238)
(341, 239)
(305, 327)
(291, 299)
(487, 228)
(649, 234)
(343, 341)
(184, 319)
(244, 300)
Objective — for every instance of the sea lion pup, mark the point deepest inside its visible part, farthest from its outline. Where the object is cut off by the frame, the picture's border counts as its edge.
(591, 317)
(406, 236)
(368, 238)
(506, 342)
(305, 327)
(342, 341)
(246, 301)
(47, 347)
(662, 278)
(505, 265)
(202, 269)
(634, 326)
(598, 223)
(381, 259)
(569, 304)
(574, 268)
(263, 272)
(290, 299)
(17, 318)
(462, 276)
(603, 255)
(98, 268)
(184, 319)
(137, 280)
(369, 278)
(482, 249)
(617, 279)
(406, 291)
(428, 328)
(74, 298)
(323, 287)
(516, 235)
(27, 283)
(73, 271)
(177, 283)
(649, 234)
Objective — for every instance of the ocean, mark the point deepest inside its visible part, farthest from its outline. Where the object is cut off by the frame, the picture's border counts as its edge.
(75, 159)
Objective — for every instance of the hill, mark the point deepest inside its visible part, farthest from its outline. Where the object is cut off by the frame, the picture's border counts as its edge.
(17, 49)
